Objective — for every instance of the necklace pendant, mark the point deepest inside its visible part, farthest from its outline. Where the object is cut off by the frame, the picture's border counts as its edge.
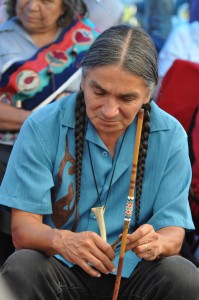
(99, 213)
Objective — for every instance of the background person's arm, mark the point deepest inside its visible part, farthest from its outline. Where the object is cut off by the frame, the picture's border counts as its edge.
(12, 118)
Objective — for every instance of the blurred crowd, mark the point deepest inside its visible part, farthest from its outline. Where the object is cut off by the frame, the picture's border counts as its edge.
(172, 24)
(158, 18)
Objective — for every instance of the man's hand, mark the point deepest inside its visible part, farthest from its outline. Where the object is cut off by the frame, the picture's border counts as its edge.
(150, 245)
(87, 250)
(144, 242)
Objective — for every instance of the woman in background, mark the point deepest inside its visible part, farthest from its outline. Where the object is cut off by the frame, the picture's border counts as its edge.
(40, 48)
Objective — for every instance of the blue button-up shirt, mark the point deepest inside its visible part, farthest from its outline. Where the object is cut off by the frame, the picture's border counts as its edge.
(31, 176)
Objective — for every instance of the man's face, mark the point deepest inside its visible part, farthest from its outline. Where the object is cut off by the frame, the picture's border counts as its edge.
(113, 98)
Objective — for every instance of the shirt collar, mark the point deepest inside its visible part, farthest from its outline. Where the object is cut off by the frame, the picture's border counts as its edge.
(93, 137)
(159, 119)
(69, 107)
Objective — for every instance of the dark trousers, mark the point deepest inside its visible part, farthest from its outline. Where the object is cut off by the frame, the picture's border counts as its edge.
(6, 245)
(30, 275)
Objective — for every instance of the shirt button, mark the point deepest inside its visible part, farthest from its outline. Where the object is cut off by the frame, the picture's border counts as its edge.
(105, 153)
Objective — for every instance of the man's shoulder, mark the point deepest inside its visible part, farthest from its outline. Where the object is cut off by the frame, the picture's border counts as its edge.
(56, 113)
(161, 120)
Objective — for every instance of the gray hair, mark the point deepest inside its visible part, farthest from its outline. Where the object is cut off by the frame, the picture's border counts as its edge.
(72, 8)
(130, 48)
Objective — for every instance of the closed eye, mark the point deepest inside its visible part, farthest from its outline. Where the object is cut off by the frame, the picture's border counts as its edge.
(127, 99)
(99, 92)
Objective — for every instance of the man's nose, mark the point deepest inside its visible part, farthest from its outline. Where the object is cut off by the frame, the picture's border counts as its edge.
(110, 108)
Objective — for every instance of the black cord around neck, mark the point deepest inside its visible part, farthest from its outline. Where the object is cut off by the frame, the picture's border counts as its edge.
(112, 175)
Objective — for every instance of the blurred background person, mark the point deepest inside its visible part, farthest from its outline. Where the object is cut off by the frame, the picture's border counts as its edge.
(3, 12)
(179, 96)
(194, 10)
(157, 20)
(105, 13)
(183, 42)
(181, 12)
(41, 46)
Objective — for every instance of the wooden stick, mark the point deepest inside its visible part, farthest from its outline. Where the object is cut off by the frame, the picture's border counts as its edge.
(99, 213)
(116, 242)
(129, 204)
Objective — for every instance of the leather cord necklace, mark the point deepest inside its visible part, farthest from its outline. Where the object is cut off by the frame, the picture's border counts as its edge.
(100, 210)
(112, 175)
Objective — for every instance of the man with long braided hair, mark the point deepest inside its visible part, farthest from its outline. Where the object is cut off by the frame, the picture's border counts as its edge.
(76, 154)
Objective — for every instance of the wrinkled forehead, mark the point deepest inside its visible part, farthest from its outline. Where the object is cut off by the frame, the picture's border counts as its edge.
(113, 79)
(109, 72)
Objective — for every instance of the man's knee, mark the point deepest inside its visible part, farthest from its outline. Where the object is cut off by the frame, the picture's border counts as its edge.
(24, 264)
(181, 272)
(169, 278)
(27, 275)
(176, 266)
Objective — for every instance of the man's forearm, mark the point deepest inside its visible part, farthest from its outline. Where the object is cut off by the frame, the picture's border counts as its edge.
(12, 118)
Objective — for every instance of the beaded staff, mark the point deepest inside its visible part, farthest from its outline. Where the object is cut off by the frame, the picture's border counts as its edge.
(129, 204)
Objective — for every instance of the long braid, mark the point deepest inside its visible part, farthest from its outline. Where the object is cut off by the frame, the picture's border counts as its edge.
(80, 122)
(141, 159)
